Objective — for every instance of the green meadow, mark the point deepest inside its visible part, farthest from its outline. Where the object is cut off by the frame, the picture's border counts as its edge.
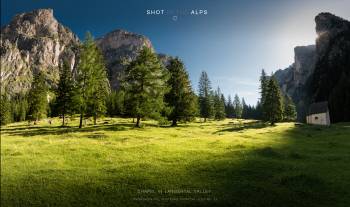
(217, 163)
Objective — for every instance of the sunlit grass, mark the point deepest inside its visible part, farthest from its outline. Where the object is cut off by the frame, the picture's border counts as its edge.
(236, 163)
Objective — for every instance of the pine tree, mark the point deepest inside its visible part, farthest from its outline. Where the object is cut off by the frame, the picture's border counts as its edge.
(97, 105)
(65, 92)
(5, 110)
(264, 83)
(38, 99)
(223, 110)
(273, 103)
(229, 108)
(219, 105)
(258, 111)
(115, 103)
(145, 84)
(289, 111)
(180, 97)
(19, 107)
(206, 105)
(192, 110)
(92, 83)
(245, 109)
(237, 107)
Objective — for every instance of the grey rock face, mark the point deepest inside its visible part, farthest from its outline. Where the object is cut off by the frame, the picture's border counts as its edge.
(118, 47)
(293, 79)
(304, 60)
(32, 42)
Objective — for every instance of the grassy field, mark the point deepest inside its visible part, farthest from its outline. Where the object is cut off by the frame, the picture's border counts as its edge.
(224, 163)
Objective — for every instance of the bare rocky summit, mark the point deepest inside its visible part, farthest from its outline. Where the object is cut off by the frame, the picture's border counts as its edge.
(32, 42)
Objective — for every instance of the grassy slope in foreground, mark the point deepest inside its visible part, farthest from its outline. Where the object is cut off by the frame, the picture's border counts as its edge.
(107, 165)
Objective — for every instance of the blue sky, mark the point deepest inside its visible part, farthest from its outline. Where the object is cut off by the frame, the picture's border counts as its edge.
(233, 42)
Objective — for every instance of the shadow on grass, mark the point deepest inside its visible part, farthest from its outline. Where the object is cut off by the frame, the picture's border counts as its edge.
(57, 130)
(26, 131)
(181, 125)
(293, 174)
(243, 126)
(296, 173)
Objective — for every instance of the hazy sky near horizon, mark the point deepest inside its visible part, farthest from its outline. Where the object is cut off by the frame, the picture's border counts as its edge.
(232, 42)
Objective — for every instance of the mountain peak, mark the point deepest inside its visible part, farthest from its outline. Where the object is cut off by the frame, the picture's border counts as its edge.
(38, 22)
(120, 37)
(42, 13)
(326, 22)
(35, 41)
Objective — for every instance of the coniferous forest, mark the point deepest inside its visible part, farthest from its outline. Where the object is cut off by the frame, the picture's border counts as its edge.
(148, 90)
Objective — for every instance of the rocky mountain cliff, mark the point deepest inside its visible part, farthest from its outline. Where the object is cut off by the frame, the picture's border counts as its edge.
(331, 78)
(32, 42)
(117, 47)
(297, 74)
(293, 79)
(318, 70)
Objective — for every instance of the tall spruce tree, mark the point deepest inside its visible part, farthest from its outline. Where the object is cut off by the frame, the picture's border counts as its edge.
(289, 111)
(258, 111)
(97, 105)
(180, 97)
(115, 103)
(145, 83)
(273, 104)
(206, 105)
(223, 109)
(264, 84)
(5, 109)
(92, 83)
(245, 109)
(19, 107)
(65, 92)
(229, 108)
(219, 105)
(237, 107)
(38, 97)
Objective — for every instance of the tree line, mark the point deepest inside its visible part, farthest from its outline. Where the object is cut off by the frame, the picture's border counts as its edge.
(148, 89)
(213, 104)
(275, 106)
